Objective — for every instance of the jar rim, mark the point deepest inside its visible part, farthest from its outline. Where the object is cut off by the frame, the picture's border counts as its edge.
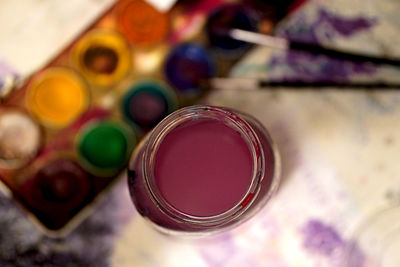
(230, 119)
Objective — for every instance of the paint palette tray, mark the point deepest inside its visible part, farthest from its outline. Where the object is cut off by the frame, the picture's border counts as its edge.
(67, 134)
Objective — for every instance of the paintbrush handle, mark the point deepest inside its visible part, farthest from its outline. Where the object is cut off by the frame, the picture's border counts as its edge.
(333, 53)
(249, 84)
(287, 44)
(329, 84)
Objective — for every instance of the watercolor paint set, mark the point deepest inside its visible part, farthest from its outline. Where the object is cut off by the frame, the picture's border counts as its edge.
(67, 133)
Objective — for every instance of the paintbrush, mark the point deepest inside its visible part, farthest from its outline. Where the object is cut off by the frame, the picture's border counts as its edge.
(249, 84)
(285, 44)
(288, 44)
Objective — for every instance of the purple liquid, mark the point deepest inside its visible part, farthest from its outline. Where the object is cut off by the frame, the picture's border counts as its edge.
(203, 168)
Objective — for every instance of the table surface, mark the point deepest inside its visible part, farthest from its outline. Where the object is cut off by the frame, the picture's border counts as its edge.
(339, 151)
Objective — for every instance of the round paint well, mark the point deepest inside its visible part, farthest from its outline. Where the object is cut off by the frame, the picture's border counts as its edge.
(229, 16)
(188, 67)
(104, 147)
(375, 240)
(57, 97)
(147, 103)
(102, 56)
(100, 59)
(59, 185)
(20, 138)
(141, 23)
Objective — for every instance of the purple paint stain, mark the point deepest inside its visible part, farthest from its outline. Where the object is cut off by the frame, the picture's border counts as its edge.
(90, 244)
(217, 251)
(321, 238)
(301, 66)
(6, 70)
(356, 257)
(345, 27)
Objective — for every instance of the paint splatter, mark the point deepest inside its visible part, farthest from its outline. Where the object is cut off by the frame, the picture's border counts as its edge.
(302, 66)
(330, 24)
(356, 257)
(218, 251)
(6, 70)
(89, 245)
(323, 239)
(8, 79)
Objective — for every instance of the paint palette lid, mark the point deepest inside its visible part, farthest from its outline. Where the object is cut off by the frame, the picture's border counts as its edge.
(377, 241)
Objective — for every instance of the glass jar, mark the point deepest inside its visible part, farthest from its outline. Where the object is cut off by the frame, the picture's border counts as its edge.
(203, 169)
(376, 241)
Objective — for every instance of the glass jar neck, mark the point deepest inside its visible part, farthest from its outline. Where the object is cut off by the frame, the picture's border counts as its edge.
(203, 112)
